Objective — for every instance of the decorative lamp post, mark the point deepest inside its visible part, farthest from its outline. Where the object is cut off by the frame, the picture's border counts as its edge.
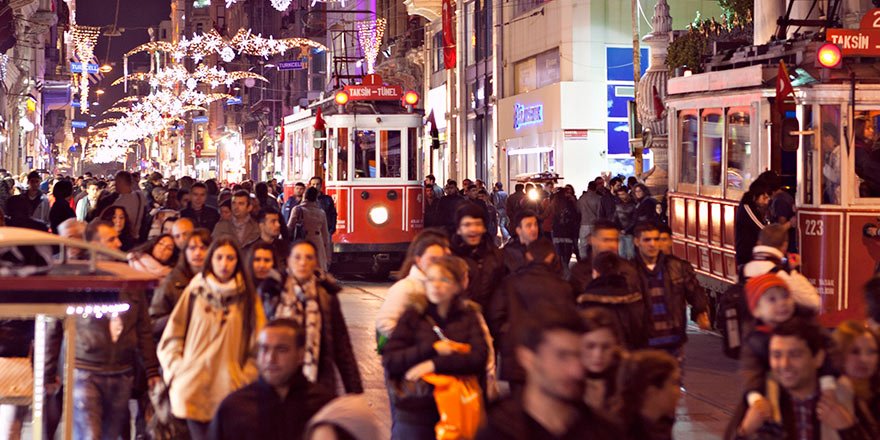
(652, 93)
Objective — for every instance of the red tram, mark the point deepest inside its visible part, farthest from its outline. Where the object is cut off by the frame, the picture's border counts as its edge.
(369, 157)
(724, 131)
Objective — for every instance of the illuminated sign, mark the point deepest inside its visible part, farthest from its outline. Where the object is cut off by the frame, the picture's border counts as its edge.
(200, 120)
(864, 41)
(90, 68)
(527, 115)
(78, 124)
(235, 100)
(372, 89)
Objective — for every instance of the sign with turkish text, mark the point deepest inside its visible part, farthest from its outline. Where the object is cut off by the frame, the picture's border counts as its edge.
(78, 124)
(372, 89)
(200, 120)
(77, 68)
(864, 41)
(292, 64)
(576, 135)
(820, 240)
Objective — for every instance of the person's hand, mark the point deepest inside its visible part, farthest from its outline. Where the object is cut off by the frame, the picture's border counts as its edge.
(419, 370)
(758, 413)
(703, 321)
(444, 348)
(794, 261)
(153, 381)
(53, 386)
(831, 413)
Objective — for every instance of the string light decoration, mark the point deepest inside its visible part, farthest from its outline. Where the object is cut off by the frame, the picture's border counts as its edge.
(370, 33)
(84, 39)
(281, 5)
(3, 60)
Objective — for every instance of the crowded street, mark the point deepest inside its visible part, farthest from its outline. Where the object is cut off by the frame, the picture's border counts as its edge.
(439, 220)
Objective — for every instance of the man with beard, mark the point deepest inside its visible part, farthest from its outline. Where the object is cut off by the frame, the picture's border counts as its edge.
(551, 404)
(280, 403)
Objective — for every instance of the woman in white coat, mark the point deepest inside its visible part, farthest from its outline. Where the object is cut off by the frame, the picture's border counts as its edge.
(207, 350)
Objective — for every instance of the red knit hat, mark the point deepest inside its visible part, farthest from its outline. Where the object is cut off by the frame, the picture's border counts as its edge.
(757, 286)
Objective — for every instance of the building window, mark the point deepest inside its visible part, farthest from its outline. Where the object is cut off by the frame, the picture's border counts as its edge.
(521, 6)
(470, 33)
(688, 165)
(438, 52)
(537, 71)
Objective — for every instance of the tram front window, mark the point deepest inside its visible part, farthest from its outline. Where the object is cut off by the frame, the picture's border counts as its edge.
(365, 154)
(342, 154)
(866, 127)
(829, 143)
(389, 153)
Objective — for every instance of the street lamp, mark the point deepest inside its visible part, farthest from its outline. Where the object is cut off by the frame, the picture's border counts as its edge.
(106, 68)
(99, 92)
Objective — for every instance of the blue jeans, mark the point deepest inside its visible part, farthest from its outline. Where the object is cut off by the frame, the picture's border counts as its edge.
(100, 404)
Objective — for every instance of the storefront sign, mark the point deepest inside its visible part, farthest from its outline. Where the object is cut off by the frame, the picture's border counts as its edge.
(576, 135)
(78, 68)
(78, 124)
(864, 41)
(292, 64)
(200, 120)
(527, 115)
(372, 89)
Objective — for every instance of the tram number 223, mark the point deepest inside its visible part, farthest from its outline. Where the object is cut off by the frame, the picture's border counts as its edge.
(814, 227)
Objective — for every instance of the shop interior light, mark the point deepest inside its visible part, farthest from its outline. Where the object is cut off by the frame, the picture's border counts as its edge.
(829, 55)
(341, 98)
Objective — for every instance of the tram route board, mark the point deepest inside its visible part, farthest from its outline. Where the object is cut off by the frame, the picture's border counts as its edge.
(864, 41)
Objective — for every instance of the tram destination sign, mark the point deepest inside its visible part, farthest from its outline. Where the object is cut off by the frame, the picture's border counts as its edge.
(372, 89)
(864, 41)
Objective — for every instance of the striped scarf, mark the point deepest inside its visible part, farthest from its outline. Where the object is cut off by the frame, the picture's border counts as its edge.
(300, 303)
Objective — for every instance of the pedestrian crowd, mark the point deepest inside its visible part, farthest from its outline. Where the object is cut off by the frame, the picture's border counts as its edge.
(530, 315)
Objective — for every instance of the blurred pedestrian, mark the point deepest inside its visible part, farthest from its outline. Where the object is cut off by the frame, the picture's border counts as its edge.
(526, 231)
(309, 222)
(191, 262)
(61, 210)
(153, 257)
(648, 393)
(485, 261)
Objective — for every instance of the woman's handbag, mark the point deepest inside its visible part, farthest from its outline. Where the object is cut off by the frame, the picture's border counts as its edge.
(460, 404)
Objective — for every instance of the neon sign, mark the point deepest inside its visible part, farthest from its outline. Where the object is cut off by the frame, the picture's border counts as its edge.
(527, 115)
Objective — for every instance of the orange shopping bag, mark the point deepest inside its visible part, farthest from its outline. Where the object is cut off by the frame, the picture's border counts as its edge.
(459, 403)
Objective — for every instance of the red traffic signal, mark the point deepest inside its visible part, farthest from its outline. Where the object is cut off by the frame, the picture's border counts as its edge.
(411, 98)
(341, 98)
(829, 56)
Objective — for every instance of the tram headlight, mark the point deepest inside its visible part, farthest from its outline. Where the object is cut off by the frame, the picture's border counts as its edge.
(378, 215)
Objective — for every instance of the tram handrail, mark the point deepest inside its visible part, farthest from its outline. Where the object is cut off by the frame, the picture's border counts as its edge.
(13, 236)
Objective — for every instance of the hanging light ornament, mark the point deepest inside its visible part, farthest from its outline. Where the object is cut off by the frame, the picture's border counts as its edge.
(84, 40)
(370, 33)
(281, 5)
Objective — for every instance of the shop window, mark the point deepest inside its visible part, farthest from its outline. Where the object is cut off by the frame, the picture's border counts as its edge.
(365, 154)
(687, 170)
(830, 153)
(866, 125)
(389, 154)
(412, 154)
(342, 154)
(524, 76)
(470, 33)
(710, 147)
(437, 61)
(739, 148)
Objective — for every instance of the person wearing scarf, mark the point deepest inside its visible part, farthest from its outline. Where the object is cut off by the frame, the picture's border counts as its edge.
(309, 298)
(208, 347)
(153, 257)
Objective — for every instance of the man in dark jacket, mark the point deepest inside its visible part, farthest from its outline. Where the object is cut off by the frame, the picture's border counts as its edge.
(551, 405)
(447, 205)
(281, 402)
(325, 202)
(669, 285)
(605, 238)
(526, 230)
(107, 348)
(537, 282)
(202, 215)
(299, 191)
(751, 218)
(512, 204)
(61, 210)
(612, 291)
(485, 262)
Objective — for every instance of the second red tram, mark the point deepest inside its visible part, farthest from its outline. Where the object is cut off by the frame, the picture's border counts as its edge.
(370, 157)
(725, 130)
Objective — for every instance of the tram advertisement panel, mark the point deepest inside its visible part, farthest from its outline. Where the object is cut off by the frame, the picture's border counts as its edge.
(863, 261)
(820, 245)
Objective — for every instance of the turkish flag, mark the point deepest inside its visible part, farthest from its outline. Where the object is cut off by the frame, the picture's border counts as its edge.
(783, 87)
(449, 57)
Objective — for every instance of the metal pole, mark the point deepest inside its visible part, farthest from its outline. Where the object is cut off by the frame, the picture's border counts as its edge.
(637, 69)
(69, 363)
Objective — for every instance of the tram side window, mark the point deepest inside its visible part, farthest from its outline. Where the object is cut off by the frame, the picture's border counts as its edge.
(342, 154)
(689, 133)
(867, 152)
(739, 148)
(829, 141)
(390, 153)
(365, 154)
(809, 156)
(412, 151)
(710, 145)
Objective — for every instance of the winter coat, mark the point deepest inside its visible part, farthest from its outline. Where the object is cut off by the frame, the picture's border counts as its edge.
(755, 354)
(39, 207)
(646, 211)
(257, 412)
(607, 205)
(336, 350)
(766, 259)
(512, 204)
(248, 231)
(566, 218)
(207, 217)
(614, 294)
(166, 296)
(624, 216)
(582, 274)
(522, 292)
(514, 253)
(60, 212)
(748, 223)
(326, 204)
(485, 268)
(288, 206)
(314, 223)
(412, 343)
(146, 263)
(95, 349)
(204, 351)
(682, 289)
(508, 420)
(588, 205)
(446, 207)
(397, 299)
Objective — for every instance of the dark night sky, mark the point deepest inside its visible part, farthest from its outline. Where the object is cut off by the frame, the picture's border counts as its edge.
(135, 16)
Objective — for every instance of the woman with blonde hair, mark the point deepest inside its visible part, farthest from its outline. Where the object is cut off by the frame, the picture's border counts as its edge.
(208, 347)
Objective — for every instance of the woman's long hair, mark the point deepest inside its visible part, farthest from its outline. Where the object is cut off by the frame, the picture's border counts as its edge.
(110, 211)
(844, 337)
(250, 294)
(425, 239)
(640, 370)
(147, 247)
(598, 318)
(200, 234)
